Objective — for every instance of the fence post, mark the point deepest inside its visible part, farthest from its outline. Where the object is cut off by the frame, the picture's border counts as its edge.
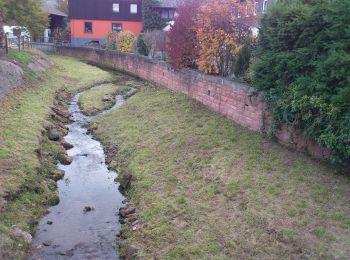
(6, 45)
(22, 42)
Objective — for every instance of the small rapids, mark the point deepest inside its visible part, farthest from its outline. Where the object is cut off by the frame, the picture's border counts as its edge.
(69, 230)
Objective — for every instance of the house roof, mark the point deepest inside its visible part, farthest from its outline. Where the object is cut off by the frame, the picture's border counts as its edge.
(46, 7)
(167, 3)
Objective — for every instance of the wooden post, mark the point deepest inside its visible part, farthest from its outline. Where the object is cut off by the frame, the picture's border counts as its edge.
(2, 33)
(6, 45)
(19, 43)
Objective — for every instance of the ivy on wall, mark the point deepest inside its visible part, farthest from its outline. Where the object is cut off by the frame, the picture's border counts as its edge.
(303, 64)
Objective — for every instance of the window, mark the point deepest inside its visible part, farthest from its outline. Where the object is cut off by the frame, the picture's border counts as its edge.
(117, 27)
(88, 27)
(115, 8)
(167, 14)
(133, 8)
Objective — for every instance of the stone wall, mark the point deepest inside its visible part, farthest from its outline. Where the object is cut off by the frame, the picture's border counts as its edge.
(238, 102)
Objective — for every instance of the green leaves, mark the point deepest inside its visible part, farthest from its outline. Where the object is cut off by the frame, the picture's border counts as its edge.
(26, 13)
(151, 18)
(303, 64)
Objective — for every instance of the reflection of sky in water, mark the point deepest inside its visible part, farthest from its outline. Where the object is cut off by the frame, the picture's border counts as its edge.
(87, 182)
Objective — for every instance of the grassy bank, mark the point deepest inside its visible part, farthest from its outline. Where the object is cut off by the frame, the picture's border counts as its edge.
(23, 115)
(102, 98)
(205, 188)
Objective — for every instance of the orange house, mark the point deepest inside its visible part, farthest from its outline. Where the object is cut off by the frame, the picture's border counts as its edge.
(91, 20)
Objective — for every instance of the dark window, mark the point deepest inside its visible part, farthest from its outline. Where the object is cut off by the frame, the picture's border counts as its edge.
(167, 14)
(88, 27)
(117, 27)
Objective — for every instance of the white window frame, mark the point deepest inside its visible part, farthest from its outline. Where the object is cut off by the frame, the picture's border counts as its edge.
(264, 6)
(116, 8)
(133, 8)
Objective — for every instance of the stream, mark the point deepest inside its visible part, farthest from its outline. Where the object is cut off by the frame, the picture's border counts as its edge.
(85, 223)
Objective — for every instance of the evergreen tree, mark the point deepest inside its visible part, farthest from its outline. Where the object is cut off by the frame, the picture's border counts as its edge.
(303, 64)
(151, 18)
(243, 60)
(141, 45)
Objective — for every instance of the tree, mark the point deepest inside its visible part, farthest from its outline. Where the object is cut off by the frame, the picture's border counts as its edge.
(243, 60)
(156, 43)
(151, 18)
(303, 68)
(219, 35)
(62, 5)
(182, 46)
(141, 45)
(124, 41)
(27, 13)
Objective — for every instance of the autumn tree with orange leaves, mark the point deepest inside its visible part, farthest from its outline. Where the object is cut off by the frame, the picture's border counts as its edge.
(219, 36)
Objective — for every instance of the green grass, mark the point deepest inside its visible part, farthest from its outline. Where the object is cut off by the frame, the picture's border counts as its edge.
(206, 188)
(22, 116)
(23, 56)
(91, 102)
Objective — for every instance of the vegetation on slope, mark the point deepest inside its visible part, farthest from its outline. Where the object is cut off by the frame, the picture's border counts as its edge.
(23, 115)
(206, 188)
(303, 64)
(100, 98)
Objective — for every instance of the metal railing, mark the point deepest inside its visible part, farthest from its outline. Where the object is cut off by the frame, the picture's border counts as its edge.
(15, 43)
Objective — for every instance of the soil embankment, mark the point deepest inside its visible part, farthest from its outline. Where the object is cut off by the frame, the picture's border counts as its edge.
(14, 67)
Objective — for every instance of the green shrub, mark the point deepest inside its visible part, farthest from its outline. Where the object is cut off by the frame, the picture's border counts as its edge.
(125, 41)
(243, 60)
(141, 46)
(120, 41)
(303, 64)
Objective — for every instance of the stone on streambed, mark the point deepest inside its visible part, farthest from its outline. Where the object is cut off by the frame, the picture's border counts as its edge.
(124, 179)
(19, 234)
(108, 98)
(64, 159)
(53, 135)
(66, 145)
(47, 243)
(88, 209)
(124, 212)
(57, 174)
(93, 126)
(61, 112)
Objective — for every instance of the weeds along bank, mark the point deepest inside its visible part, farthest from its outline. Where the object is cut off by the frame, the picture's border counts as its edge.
(27, 157)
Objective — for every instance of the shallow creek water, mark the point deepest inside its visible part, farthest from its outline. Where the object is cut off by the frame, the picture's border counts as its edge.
(75, 233)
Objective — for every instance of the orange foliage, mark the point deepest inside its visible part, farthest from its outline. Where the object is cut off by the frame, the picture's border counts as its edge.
(219, 36)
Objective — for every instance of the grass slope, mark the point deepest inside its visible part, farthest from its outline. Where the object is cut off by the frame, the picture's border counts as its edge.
(206, 188)
(22, 116)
